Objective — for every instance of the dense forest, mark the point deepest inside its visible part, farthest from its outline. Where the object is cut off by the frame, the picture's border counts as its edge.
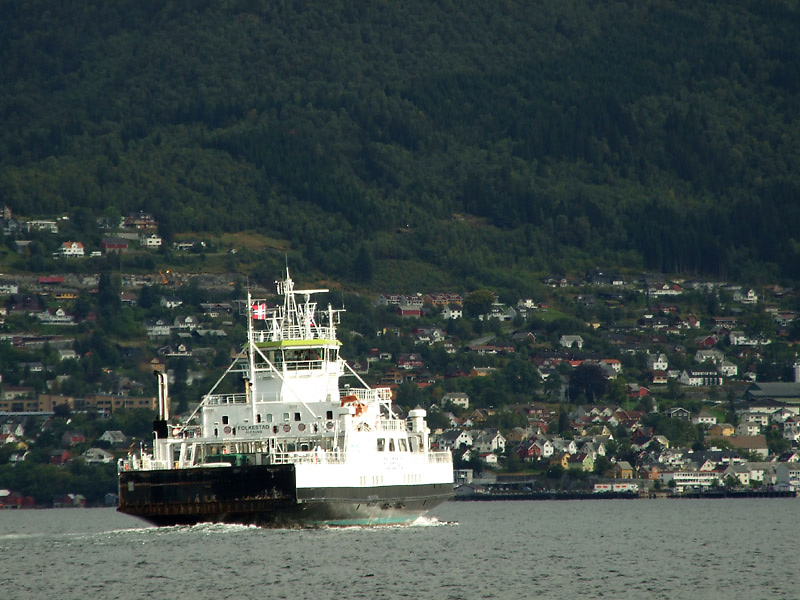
(438, 143)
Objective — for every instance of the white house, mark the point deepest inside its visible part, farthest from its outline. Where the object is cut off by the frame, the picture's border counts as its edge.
(453, 312)
(765, 472)
(458, 398)
(562, 445)
(157, 327)
(704, 418)
(97, 455)
(697, 378)
(57, 317)
(740, 472)
(748, 429)
(151, 241)
(690, 480)
(189, 322)
(489, 440)
(738, 338)
(113, 436)
(170, 301)
(788, 473)
(760, 418)
(728, 369)
(657, 362)
(71, 249)
(544, 447)
(490, 458)
(9, 287)
(454, 439)
(571, 341)
(710, 355)
(791, 432)
(748, 297)
(67, 354)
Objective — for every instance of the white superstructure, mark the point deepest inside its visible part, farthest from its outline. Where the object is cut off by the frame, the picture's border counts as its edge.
(289, 408)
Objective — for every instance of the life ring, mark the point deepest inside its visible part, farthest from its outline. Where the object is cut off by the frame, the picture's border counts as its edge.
(329, 424)
(287, 428)
(301, 427)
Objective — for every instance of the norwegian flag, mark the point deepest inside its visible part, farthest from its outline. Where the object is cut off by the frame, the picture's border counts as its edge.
(259, 311)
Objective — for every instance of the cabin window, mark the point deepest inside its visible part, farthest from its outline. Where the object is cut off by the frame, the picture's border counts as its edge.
(329, 415)
(285, 416)
(224, 419)
(391, 444)
(269, 418)
(296, 416)
(402, 445)
(258, 417)
(381, 444)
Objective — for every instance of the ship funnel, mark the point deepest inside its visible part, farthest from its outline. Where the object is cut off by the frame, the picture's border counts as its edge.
(160, 428)
(163, 394)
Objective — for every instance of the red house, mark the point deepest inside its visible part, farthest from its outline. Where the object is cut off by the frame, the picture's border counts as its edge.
(409, 361)
(113, 244)
(59, 457)
(706, 342)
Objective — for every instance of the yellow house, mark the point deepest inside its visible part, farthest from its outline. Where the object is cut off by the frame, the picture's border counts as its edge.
(622, 470)
(721, 430)
(560, 459)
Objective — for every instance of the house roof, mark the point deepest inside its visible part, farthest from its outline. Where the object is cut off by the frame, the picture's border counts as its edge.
(748, 442)
(777, 389)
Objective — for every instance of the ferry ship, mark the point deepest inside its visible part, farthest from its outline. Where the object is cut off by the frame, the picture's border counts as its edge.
(287, 445)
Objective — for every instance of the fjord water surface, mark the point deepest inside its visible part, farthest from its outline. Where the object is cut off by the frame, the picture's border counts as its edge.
(528, 549)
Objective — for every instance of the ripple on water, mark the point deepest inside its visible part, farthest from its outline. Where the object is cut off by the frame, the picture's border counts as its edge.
(664, 549)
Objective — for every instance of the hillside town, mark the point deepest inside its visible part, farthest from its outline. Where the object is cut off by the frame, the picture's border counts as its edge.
(671, 385)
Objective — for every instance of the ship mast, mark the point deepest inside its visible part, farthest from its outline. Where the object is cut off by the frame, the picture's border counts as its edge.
(251, 358)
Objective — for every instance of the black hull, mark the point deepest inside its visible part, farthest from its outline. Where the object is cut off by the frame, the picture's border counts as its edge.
(267, 496)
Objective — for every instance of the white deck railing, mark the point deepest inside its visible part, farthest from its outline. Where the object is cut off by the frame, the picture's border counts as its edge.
(440, 457)
(216, 399)
(308, 457)
(391, 425)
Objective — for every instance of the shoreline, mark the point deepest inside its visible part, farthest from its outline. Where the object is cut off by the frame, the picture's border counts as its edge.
(723, 494)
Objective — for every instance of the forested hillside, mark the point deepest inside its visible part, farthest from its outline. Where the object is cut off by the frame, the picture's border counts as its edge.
(473, 143)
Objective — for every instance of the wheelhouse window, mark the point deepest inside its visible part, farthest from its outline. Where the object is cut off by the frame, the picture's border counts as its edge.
(224, 419)
(258, 417)
(391, 444)
(296, 416)
(285, 416)
(329, 415)
(402, 445)
(269, 418)
(381, 444)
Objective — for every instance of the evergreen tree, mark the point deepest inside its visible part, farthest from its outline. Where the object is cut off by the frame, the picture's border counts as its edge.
(363, 269)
